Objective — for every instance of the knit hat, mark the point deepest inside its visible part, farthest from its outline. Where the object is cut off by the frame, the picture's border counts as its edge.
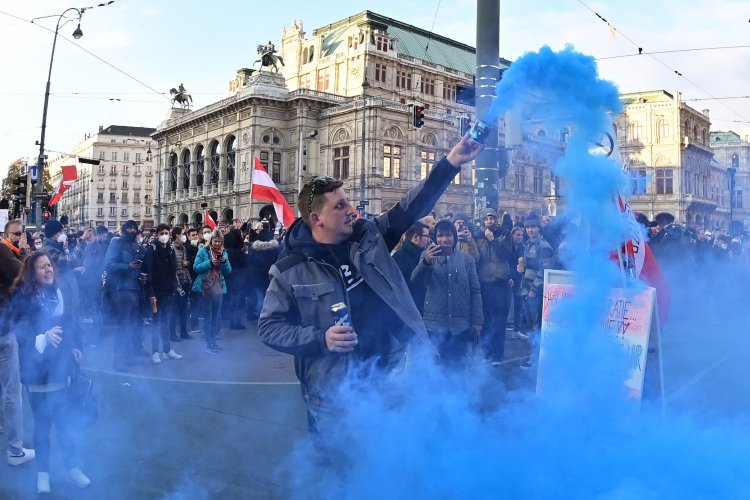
(461, 216)
(100, 230)
(490, 211)
(52, 227)
(129, 223)
(533, 220)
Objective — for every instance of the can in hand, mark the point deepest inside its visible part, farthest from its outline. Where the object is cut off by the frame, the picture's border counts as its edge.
(521, 267)
(154, 308)
(341, 314)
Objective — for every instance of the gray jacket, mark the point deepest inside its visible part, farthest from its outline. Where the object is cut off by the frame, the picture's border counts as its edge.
(297, 306)
(453, 302)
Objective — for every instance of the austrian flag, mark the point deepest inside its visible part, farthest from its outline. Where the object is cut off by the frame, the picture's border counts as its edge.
(265, 189)
(69, 176)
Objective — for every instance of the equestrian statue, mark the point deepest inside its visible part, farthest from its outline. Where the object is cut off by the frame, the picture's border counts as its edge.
(268, 56)
(181, 96)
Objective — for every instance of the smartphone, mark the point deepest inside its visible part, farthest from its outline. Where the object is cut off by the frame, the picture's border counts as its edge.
(479, 132)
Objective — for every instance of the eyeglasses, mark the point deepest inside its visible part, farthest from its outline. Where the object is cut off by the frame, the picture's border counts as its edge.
(19, 233)
(424, 235)
(318, 182)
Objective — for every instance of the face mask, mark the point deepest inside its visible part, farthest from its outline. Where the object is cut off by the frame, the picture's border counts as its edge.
(140, 240)
(62, 238)
(183, 238)
(207, 237)
(163, 239)
(194, 243)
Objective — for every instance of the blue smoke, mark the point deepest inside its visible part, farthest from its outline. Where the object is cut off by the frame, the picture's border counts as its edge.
(485, 433)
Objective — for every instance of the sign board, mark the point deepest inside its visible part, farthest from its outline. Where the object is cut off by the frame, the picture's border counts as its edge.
(33, 170)
(3, 218)
(629, 319)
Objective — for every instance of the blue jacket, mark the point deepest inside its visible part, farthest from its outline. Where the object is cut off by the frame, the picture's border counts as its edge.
(202, 266)
(117, 264)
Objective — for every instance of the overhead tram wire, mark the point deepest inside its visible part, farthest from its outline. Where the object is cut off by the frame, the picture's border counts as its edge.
(673, 51)
(161, 94)
(652, 56)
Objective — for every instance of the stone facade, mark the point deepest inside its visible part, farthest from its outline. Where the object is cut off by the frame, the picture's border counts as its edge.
(341, 101)
(121, 187)
(666, 149)
(728, 148)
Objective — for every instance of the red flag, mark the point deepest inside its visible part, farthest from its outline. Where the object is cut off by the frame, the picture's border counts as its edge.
(69, 176)
(265, 189)
(209, 220)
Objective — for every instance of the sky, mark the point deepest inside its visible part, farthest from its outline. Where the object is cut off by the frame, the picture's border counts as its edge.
(201, 44)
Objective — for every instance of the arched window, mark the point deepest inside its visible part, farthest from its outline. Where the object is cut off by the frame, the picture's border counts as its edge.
(663, 129)
(172, 172)
(541, 134)
(185, 164)
(636, 132)
(214, 152)
(304, 56)
(200, 161)
(230, 160)
(565, 133)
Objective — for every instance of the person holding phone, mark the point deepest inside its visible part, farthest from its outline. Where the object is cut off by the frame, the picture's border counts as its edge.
(453, 301)
(123, 264)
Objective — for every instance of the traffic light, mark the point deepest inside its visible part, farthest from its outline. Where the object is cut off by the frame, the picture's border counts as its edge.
(22, 185)
(464, 125)
(735, 160)
(417, 115)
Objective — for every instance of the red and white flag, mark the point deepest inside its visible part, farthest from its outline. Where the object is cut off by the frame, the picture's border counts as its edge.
(265, 189)
(210, 222)
(69, 176)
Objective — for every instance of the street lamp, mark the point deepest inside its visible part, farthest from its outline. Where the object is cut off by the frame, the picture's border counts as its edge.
(732, 171)
(40, 160)
(362, 202)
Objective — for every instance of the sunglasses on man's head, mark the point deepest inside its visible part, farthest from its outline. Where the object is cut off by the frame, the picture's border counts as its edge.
(318, 182)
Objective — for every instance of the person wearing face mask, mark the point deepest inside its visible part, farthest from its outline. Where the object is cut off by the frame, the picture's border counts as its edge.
(212, 262)
(56, 246)
(180, 309)
(162, 285)
(206, 233)
(123, 263)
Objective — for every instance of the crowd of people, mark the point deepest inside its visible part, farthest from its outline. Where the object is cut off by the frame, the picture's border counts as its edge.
(344, 295)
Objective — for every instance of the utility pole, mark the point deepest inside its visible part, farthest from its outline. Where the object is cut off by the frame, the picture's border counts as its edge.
(488, 72)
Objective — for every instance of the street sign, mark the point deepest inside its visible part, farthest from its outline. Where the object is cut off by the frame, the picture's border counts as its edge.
(365, 202)
(41, 196)
(33, 171)
(360, 207)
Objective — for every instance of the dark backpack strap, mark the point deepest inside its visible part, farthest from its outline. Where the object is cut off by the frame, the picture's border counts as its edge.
(289, 261)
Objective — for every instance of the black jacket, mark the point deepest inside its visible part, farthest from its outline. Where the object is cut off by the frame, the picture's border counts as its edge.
(407, 258)
(161, 266)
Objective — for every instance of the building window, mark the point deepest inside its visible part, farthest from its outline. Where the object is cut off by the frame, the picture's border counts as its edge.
(457, 178)
(137, 170)
(124, 198)
(637, 132)
(520, 175)
(272, 163)
(403, 80)
(427, 160)
(380, 72)
(449, 91)
(341, 162)
(113, 170)
(136, 197)
(663, 129)
(124, 212)
(391, 161)
(737, 199)
(102, 155)
(538, 178)
(101, 169)
(112, 198)
(113, 211)
(664, 181)
(126, 170)
(564, 135)
(100, 197)
(231, 159)
(126, 156)
(638, 182)
(148, 210)
(124, 183)
(381, 43)
(427, 86)
(138, 157)
(114, 155)
(100, 212)
(324, 80)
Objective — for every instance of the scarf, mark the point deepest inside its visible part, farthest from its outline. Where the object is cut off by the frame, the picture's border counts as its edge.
(10, 245)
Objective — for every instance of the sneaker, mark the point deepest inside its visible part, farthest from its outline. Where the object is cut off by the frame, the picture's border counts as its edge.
(22, 457)
(196, 331)
(212, 350)
(528, 365)
(218, 347)
(496, 362)
(173, 355)
(519, 335)
(155, 358)
(77, 477)
(42, 482)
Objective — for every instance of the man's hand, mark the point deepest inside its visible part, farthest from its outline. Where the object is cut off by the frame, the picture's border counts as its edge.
(511, 283)
(77, 355)
(341, 338)
(54, 335)
(432, 253)
(532, 293)
(465, 235)
(136, 264)
(22, 243)
(464, 151)
(489, 234)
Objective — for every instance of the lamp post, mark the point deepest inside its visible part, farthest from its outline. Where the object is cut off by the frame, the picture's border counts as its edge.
(40, 160)
(362, 202)
(732, 171)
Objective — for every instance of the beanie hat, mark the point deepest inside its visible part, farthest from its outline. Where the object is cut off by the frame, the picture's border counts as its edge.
(490, 211)
(129, 223)
(461, 216)
(52, 227)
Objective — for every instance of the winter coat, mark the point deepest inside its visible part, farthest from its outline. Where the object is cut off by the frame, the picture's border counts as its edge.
(160, 264)
(202, 267)
(117, 264)
(297, 308)
(407, 257)
(183, 273)
(537, 257)
(453, 300)
(494, 256)
(262, 255)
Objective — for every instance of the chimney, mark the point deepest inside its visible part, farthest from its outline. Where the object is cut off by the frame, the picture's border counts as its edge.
(101, 128)
(705, 112)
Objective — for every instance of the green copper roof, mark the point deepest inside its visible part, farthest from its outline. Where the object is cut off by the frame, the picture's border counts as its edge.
(411, 41)
(728, 137)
